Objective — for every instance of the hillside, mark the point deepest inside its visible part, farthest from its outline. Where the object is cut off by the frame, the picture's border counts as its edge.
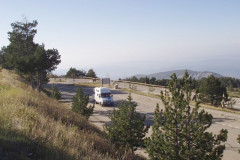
(180, 73)
(34, 126)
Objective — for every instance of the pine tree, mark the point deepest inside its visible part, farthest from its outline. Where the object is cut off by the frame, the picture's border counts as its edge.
(91, 73)
(127, 126)
(19, 53)
(212, 91)
(80, 104)
(179, 131)
(45, 61)
(27, 57)
(74, 73)
(55, 93)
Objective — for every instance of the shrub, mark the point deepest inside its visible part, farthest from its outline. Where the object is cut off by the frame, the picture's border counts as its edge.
(127, 126)
(80, 104)
(55, 93)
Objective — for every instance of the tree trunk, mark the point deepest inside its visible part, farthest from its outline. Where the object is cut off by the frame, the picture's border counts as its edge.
(32, 81)
(39, 81)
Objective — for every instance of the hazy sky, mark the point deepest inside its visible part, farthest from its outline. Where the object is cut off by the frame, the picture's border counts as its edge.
(119, 38)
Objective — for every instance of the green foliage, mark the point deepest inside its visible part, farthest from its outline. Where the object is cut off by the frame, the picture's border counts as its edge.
(55, 93)
(179, 131)
(133, 79)
(144, 80)
(227, 82)
(45, 61)
(153, 80)
(127, 126)
(162, 82)
(230, 82)
(27, 57)
(19, 53)
(80, 104)
(73, 73)
(91, 73)
(1, 58)
(211, 91)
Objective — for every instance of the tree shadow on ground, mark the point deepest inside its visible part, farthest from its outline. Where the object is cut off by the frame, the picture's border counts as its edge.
(117, 102)
(15, 145)
(149, 118)
(215, 120)
(101, 113)
(118, 92)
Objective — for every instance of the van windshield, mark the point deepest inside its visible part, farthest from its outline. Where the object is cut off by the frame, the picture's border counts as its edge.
(105, 95)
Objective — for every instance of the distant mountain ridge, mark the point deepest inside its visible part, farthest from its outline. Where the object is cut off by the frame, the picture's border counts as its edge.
(180, 73)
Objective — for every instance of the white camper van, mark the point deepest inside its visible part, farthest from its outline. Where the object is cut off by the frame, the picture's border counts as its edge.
(103, 96)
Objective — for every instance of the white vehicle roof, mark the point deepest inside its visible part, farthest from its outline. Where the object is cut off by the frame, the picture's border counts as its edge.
(102, 89)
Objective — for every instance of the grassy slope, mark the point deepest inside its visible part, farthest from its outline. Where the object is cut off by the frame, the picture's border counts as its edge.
(33, 126)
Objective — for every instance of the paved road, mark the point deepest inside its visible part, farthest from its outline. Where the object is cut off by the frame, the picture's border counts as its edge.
(146, 105)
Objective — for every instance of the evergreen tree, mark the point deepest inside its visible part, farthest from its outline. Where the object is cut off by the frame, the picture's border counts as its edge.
(73, 73)
(134, 79)
(162, 82)
(80, 102)
(127, 126)
(19, 53)
(55, 93)
(152, 80)
(2, 60)
(230, 82)
(45, 61)
(211, 91)
(91, 73)
(179, 132)
(39, 61)
(27, 57)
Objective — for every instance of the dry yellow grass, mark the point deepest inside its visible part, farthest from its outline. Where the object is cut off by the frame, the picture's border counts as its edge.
(235, 93)
(230, 110)
(33, 126)
(90, 84)
(141, 93)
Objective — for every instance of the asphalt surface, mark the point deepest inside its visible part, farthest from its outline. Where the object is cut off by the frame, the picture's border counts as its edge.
(146, 105)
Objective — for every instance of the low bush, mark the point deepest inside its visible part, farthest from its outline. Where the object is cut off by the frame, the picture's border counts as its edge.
(55, 93)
